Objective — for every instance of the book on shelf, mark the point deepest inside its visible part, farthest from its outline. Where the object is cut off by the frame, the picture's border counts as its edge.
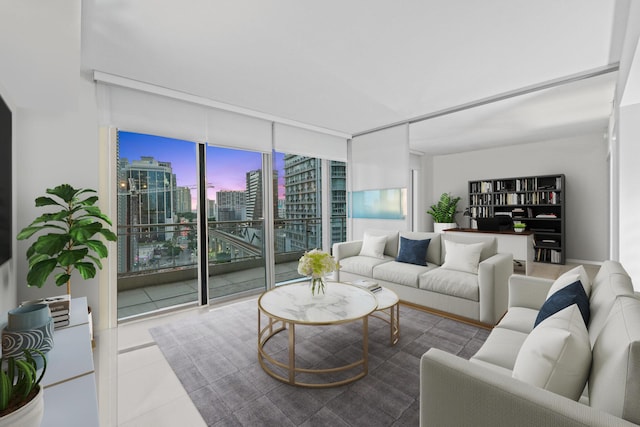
(60, 302)
(367, 284)
(549, 215)
(61, 322)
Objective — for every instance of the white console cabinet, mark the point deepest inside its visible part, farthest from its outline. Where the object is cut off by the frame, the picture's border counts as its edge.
(70, 397)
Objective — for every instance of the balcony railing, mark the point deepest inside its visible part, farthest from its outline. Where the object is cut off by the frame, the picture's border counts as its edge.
(165, 253)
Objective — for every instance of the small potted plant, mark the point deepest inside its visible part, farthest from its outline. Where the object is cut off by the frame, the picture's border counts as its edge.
(316, 264)
(21, 396)
(519, 227)
(72, 242)
(444, 212)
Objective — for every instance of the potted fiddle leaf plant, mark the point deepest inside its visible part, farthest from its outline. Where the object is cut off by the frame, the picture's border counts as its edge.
(444, 212)
(74, 226)
(21, 395)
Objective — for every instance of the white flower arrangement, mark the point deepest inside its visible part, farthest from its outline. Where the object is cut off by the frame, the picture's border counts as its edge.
(316, 264)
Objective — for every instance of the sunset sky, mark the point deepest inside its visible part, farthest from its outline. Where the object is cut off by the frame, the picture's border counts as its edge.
(226, 168)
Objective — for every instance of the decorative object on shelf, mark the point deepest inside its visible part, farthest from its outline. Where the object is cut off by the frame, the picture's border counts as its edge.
(444, 212)
(28, 327)
(467, 212)
(317, 264)
(72, 242)
(59, 307)
(21, 396)
(519, 227)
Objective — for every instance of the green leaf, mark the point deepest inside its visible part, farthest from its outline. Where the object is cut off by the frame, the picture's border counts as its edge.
(29, 231)
(89, 201)
(98, 247)
(109, 235)
(96, 261)
(86, 269)
(82, 232)
(67, 258)
(46, 201)
(64, 191)
(62, 278)
(40, 271)
(51, 244)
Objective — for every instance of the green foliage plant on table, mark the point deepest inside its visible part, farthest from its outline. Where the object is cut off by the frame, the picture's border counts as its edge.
(72, 243)
(19, 380)
(445, 210)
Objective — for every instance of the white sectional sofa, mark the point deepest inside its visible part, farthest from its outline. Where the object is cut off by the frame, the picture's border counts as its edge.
(470, 282)
(535, 376)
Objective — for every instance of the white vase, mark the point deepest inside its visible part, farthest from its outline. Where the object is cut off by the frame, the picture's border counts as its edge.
(30, 415)
(438, 227)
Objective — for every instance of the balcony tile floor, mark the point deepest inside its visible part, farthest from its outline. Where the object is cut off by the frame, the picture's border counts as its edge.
(148, 299)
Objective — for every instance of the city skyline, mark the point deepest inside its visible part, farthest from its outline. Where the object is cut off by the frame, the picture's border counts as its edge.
(226, 167)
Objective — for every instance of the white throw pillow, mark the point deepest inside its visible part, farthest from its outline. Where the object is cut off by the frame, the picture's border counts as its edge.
(567, 278)
(556, 355)
(462, 257)
(373, 246)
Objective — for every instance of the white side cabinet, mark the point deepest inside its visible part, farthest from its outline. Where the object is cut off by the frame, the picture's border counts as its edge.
(70, 397)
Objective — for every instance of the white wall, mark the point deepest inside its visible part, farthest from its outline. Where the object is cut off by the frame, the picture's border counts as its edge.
(583, 160)
(55, 135)
(380, 160)
(628, 135)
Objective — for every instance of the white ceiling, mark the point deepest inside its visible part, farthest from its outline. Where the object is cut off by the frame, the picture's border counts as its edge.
(350, 66)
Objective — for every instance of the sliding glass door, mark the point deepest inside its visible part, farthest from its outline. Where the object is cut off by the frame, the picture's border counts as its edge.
(236, 235)
(157, 233)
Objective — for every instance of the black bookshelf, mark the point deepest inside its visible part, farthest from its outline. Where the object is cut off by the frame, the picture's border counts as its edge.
(537, 201)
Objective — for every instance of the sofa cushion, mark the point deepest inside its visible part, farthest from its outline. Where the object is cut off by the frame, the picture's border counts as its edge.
(519, 319)
(450, 282)
(501, 347)
(614, 384)
(434, 250)
(401, 273)
(489, 243)
(610, 282)
(462, 257)
(556, 355)
(413, 251)
(577, 273)
(373, 246)
(573, 293)
(391, 247)
(362, 265)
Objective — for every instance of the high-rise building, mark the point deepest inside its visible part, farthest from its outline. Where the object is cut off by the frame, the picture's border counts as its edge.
(303, 201)
(146, 196)
(338, 200)
(253, 196)
(183, 199)
(231, 205)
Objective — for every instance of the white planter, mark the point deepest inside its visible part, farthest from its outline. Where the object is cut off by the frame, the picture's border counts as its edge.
(30, 415)
(438, 227)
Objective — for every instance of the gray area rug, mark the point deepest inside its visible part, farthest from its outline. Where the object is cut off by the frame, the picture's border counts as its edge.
(215, 357)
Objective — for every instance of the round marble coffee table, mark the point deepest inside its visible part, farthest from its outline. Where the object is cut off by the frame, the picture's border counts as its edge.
(290, 305)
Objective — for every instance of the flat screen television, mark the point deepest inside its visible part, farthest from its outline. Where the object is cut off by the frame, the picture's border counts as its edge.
(5, 183)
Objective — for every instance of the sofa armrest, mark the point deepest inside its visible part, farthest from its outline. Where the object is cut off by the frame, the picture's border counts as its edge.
(344, 250)
(456, 392)
(527, 291)
(493, 279)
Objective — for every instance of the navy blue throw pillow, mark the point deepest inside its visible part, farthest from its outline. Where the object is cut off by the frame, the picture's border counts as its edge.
(413, 251)
(563, 298)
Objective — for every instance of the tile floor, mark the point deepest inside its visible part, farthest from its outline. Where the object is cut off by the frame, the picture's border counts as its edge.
(136, 386)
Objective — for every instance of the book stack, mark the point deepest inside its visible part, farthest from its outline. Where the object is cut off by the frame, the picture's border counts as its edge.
(367, 284)
(59, 307)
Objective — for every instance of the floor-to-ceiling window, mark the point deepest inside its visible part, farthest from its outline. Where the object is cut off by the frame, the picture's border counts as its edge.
(156, 223)
(298, 222)
(235, 221)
